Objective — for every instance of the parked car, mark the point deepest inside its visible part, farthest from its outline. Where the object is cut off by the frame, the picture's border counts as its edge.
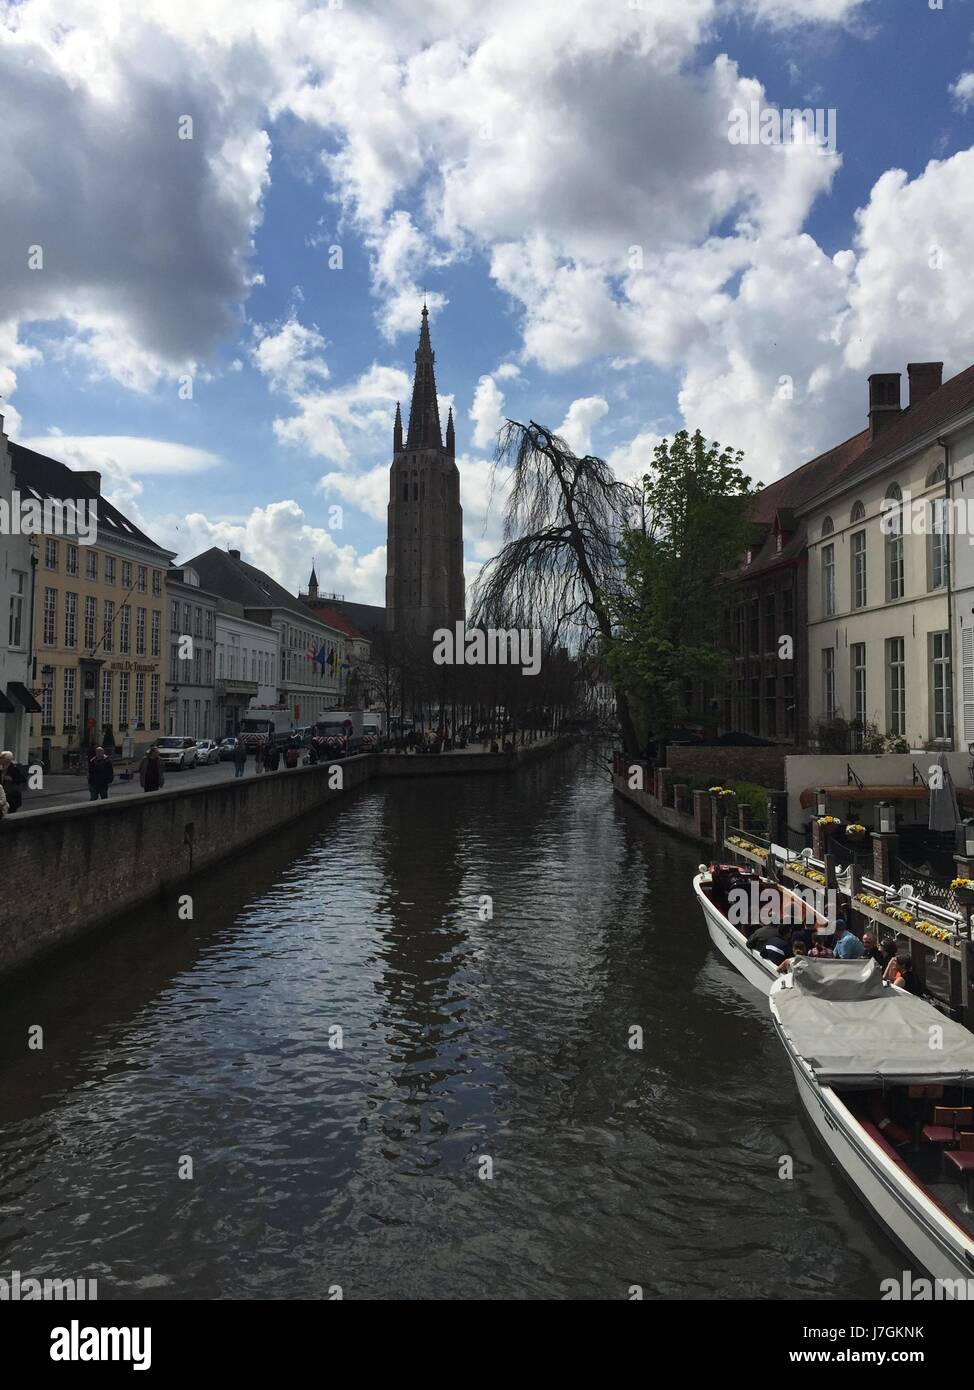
(227, 746)
(207, 751)
(177, 752)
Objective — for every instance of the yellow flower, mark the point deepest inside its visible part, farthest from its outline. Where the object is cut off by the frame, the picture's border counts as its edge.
(963, 883)
(855, 829)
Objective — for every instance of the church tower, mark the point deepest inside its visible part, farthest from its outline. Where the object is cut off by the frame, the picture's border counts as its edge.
(424, 551)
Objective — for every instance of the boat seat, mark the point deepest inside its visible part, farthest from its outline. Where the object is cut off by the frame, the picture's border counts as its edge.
(946, 1119)
(963, 1160)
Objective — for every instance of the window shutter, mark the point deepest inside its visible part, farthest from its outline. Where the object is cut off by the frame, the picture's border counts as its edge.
(967, 676)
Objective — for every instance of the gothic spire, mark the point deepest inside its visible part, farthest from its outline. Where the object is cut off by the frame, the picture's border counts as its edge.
(397, 432)
(451, 442)
(424, 414)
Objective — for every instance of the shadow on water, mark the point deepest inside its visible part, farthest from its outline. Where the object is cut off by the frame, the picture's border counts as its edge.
(460, 1038)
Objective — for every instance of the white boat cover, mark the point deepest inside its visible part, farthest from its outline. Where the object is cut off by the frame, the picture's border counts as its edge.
(854, 1031)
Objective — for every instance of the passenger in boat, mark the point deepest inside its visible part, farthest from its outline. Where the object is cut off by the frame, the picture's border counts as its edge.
(888, 949)
(902, 972)
(821, 948)
(757, 938)
(798, 950)
(871, 949)
(777, 948)
(847, 946)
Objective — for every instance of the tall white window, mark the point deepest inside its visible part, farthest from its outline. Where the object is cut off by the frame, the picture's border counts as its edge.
(108, 626)
(106, 697)
(156, 616)
(123, 699)
(140, 632)
(90, 615)
(70, 619)
(942, 692)
(828, 681)
(123, 630)
(894, 544)
(139, 698)
(50, 617)
(859, 569)
(938, 543)
(70, 718)
(828, 580)
(47, 698)
(15, 632)
(857, 659)
(896, 694)
(154, 700)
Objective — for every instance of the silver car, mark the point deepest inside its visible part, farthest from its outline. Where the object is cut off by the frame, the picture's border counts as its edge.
(177, 752)
(207, 751)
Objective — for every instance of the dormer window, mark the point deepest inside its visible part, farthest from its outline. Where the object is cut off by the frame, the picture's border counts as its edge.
(777, 543)
(748, 555)
(828, 526)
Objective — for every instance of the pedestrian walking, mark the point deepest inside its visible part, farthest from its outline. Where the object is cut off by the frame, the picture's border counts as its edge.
(101, 774)
(259, 756)
(239, 758)
(12, 779)
(151, 773)
(4, 808)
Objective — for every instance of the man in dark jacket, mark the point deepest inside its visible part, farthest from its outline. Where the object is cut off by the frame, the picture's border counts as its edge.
(239, 758)
(100, 775)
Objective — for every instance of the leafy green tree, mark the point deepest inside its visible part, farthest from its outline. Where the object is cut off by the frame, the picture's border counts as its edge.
(690, 527)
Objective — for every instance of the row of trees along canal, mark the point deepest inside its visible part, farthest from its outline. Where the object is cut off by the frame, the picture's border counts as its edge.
(621, 576)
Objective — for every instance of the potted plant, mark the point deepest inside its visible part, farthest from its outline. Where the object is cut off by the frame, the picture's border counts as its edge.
(963, 889)
(855, 832)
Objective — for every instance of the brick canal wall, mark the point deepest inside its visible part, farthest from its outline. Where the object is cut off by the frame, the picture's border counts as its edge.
(70, 869)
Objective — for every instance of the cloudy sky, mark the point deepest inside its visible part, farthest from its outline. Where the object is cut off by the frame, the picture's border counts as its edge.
(223, 323)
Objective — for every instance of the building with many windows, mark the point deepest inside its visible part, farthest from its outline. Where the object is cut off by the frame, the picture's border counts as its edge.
(99, 621)
(190, 693)
(247, 664)
(765, 611)
(312, 657)
(16, 583)
(881, 625)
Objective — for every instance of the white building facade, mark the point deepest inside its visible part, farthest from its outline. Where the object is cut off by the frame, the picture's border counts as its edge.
(882, 611)
(247, 658)
(190, 692)
(16, 579)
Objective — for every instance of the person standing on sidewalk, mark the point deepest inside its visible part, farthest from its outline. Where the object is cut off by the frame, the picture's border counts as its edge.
(11, 781)
(151, 774)
(101, 774)
(239, 758)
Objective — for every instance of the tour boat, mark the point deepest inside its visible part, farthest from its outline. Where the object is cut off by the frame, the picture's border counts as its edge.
(888, 1083)
(768, 901)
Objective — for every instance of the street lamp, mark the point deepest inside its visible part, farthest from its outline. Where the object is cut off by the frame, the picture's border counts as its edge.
(823, 801)
(964, 844)
(887, 818)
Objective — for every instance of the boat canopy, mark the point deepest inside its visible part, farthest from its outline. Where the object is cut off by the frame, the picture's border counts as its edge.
(854, 1031)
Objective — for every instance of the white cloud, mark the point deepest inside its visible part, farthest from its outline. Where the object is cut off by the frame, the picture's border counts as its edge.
(963, 90)
(486, 412)
(279, 539)
(576, 428)
(132, 453)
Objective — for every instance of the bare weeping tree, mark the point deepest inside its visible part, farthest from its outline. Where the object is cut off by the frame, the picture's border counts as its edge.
(559, 567)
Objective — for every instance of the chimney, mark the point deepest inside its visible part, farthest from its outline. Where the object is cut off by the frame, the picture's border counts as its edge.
(884, 401)
(234, 554)
(93, 479)
(925, 378)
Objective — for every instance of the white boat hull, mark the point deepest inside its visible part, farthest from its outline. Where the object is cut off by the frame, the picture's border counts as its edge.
(929, 1236)
(733, 946)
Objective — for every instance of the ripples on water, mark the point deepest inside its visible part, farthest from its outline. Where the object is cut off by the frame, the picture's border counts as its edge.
(463, 1040)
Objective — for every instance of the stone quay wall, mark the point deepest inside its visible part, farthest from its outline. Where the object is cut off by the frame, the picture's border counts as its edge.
(71, 869)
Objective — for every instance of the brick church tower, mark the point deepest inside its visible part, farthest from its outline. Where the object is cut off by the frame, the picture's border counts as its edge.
(424, 574)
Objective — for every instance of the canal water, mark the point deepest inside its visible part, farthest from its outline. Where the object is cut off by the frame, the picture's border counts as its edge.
(486, 1130)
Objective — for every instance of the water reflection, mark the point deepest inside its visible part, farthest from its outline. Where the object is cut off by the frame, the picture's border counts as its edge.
(463, 1040)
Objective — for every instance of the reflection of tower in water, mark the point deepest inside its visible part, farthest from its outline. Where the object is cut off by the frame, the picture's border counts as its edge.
(423, 948)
